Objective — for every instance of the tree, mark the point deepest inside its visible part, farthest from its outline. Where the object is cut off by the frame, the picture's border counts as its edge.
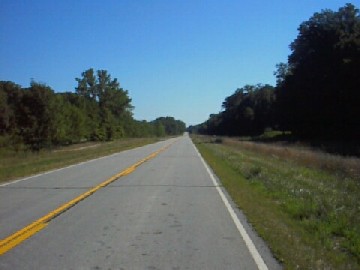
(37, 117)
(4, 112)
(249, 111)
(159, 129)
(113, 102)
(87, 85)
(69, 120)
(171, 126)
(10, 100)
(319, 93)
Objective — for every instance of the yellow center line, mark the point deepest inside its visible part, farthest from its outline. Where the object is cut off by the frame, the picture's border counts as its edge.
(16, 238)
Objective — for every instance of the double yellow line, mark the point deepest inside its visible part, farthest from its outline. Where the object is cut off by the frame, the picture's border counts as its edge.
(25, 233)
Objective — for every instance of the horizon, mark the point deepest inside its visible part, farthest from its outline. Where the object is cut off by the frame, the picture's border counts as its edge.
(178, 59)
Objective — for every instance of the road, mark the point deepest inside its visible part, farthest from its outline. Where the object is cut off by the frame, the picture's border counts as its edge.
(168, 212)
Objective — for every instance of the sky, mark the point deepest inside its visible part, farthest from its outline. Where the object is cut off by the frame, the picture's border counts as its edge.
(178, 58)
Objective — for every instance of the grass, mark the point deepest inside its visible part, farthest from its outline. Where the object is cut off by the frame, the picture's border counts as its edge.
(337, 147)
(341, 166)
(24, 163)
(305, 204)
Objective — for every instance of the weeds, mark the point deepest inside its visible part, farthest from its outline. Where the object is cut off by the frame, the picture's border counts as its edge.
(23, 163)
(313, 197)
(344, 166)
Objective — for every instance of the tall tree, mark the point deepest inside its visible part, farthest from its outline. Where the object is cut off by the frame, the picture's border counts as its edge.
(171, 125)
(87, 85)
(36, 115)
(114, 104)
(320, 92)
(5, 112)
(11, 96)
(249, 111)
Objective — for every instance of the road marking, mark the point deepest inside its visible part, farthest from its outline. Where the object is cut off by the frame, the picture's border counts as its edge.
(249, 243)
(63, 168)
(56, 170)
(15, 239)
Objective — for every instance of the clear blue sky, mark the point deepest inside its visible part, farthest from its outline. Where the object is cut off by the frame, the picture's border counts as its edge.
(177, 58)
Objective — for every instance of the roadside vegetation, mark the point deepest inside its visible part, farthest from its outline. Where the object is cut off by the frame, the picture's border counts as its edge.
(41, 129)
(24, 163)
(304, 201)
(316, 96)
(99, 110)
(305, 204)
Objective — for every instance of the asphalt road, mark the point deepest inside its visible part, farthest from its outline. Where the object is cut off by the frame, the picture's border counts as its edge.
(168, 213)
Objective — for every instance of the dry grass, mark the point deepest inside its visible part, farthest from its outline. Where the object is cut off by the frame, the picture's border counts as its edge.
(305, 204)
(340, 165)
(24, 163)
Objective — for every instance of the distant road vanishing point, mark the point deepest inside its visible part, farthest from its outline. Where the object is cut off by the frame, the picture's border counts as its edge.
(153, 207)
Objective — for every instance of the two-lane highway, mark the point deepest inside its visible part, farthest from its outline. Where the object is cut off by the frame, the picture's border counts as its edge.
(167, 213)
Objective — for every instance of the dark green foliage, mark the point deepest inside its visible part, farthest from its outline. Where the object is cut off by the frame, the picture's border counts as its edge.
(169, 125)
(107, 104)
(70, 121)
(6, 112)
(27, 116)
(159, 129)
(249, 111)
(317, 96)
(37, 117)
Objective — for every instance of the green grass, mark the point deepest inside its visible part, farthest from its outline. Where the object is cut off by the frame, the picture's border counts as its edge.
(19, 164)
(309, 216)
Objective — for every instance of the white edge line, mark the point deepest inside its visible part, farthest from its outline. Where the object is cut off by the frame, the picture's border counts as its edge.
(55, 170)
(249, 243)
(67, 167)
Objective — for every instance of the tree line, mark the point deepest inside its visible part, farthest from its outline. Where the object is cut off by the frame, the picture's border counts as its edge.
(317, 94)
(246, 112)
(98, 110)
